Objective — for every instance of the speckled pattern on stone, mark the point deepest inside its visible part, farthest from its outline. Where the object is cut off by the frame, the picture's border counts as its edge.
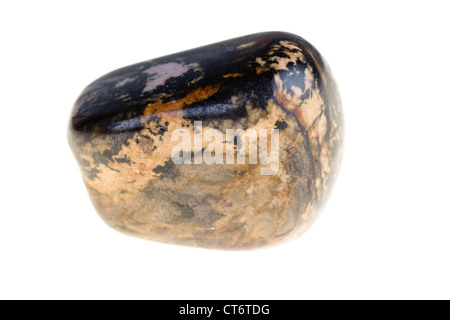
(121, 127)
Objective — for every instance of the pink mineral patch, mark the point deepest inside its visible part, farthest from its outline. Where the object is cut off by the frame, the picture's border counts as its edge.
(160, 73)
(124, 82)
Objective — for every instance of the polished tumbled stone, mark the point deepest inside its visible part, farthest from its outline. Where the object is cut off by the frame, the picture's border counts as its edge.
(122, 127)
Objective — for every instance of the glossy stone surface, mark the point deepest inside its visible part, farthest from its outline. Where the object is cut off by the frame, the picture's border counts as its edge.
(121, 133)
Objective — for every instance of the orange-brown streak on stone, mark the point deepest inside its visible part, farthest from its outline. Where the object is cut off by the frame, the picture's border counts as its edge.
(233, 75)
(193, 96)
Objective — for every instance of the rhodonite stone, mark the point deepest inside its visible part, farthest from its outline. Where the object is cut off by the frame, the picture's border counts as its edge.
(140, 136)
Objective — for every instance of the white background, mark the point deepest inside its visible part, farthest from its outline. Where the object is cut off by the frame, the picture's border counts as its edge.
(385, 233)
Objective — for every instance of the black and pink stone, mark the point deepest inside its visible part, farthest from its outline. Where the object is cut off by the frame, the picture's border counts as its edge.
(122, 127)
